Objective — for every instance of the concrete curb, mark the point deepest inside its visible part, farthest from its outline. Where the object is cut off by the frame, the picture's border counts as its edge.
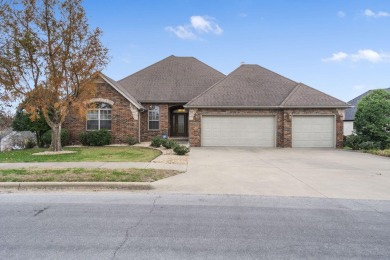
(75, 186)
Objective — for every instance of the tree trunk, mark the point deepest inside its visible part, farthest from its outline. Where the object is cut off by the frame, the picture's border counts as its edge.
(56, 138)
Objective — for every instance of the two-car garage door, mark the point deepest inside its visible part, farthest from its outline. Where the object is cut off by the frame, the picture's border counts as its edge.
(259, 131)
(256, 131)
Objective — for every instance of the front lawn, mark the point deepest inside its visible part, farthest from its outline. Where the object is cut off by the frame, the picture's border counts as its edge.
(84, 175)
(84, 154)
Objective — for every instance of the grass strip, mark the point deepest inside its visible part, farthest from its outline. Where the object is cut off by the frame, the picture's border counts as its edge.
(84, 154)
(84, 175)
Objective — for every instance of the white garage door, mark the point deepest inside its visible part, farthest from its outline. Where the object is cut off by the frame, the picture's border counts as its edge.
(313, 131)
(256, 131)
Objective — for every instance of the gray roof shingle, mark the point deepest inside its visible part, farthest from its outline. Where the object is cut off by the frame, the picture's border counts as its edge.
(173, 79)
(254, 86)
(305, 96)
(350, 112)
(121, 90)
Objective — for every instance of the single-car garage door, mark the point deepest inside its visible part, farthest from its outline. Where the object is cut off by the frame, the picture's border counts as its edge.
(313, 131)
(256, 131)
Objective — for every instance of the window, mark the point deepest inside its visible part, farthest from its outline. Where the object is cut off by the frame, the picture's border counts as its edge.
(154, 118)
(99, 116)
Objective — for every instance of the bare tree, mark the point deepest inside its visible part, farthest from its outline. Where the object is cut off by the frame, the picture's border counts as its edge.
(48, 55)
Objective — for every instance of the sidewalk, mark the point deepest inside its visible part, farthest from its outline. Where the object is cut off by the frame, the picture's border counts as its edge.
(100, 165)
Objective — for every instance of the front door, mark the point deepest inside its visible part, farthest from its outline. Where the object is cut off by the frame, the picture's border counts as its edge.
(179, 124)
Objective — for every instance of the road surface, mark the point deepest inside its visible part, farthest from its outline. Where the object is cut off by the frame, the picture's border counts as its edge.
(120, 225)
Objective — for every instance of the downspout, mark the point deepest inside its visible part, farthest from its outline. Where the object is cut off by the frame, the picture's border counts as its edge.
(139, 126)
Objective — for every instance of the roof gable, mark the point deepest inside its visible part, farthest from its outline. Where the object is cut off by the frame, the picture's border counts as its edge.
(249, 86)
(305, 96)
(121, 90)
(255, 86)
(173, 79)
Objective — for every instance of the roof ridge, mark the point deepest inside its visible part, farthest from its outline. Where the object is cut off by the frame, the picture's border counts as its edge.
(146, 67)
(185, 57)
(291, 94)
(207, 65)
(118, 87)
(224, 78)
(272, 72)
(324, 93)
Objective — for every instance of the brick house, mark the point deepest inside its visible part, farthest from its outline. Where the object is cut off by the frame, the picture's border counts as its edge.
(181, 97)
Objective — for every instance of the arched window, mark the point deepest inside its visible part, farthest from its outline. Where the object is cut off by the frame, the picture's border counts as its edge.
(99, 116)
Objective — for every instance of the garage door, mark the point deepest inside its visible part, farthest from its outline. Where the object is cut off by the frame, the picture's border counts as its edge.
(313, 131)
(238, 131)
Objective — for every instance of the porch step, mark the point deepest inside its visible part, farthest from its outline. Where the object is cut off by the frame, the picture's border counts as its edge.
(180, 140)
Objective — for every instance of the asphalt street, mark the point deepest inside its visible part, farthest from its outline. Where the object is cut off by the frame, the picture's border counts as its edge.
(123, 225)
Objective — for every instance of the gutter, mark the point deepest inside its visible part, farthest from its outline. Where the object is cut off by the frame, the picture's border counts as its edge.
(264, 107)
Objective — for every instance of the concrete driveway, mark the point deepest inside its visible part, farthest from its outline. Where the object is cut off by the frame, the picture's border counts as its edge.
(283, 172)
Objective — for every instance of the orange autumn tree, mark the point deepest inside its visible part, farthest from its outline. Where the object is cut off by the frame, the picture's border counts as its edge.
(48, 55)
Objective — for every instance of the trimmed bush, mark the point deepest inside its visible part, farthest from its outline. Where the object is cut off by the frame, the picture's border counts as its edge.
(46, 137)
(369, 145)
(169, 144)
(131, 141)
(96, 138)
(156, 141)
(354, 141)
(181, 149)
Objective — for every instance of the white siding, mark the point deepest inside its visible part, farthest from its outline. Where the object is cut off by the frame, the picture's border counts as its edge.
(348, 127)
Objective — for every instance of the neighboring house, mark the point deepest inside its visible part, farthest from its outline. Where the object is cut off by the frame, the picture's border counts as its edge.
(185, 98)
(349, 114)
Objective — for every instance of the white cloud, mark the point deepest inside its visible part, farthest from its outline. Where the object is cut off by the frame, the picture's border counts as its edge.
(379, 14)
(242, 15)
(341, 14)
(182, 32)
(199, 24)
(339, 56)
(361, 55)
(368, 55)
(205, 25)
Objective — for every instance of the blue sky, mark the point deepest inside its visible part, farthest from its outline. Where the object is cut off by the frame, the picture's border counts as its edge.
(339, 47)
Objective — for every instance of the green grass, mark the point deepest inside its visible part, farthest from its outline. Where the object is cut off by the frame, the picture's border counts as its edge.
(385, 152)
(84, 175)
(84, 154)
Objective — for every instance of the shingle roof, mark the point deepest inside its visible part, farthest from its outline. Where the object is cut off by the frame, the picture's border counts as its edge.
(255, 86)
(350, 112)
(305, 96)
(173, 79)
(121, 90)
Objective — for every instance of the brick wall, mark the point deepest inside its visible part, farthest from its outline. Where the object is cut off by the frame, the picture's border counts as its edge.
(146, 134)
(283, 122)
(123, 123)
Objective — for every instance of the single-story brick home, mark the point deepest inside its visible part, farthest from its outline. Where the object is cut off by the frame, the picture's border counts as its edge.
(182, 97)
(349, 113)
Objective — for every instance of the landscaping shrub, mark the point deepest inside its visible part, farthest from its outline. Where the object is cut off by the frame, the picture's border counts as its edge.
(372, 117)
(369, 145)
(96, 138)
(181, 149)
(169, 144)
(156, 141)
(46, 137)
(131, 141)
(30, 143)
(353, 141)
